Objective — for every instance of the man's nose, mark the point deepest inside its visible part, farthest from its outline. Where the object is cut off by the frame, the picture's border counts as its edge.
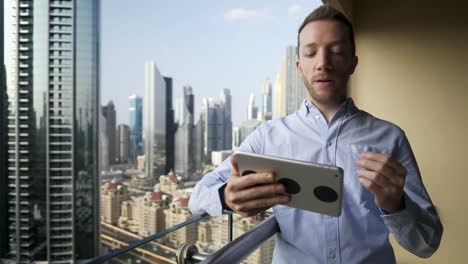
(323, 61)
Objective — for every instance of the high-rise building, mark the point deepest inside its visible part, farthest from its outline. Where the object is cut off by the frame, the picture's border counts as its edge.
(236, 137)
(170, 127)
(178, 212)
(136, 126)
(3, 152)
(251, 108)
(103, 144)
(112, 196)
(213, 111)
(267, 100)
(199, 144)
(290, 90)
(154, 121)
(184, 144)
(227, 135)
(108, 111)
(123, 143)
(52, 73)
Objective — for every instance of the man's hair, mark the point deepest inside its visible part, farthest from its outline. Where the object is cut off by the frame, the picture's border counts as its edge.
(327, 12)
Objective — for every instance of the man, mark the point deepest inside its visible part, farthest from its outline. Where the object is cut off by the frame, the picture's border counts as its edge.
(383, 189)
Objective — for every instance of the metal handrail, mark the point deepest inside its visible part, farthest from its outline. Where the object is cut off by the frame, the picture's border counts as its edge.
(139, 243)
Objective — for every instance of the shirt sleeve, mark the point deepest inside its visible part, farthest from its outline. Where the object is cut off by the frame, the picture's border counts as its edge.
(206, 194)
(417, 228)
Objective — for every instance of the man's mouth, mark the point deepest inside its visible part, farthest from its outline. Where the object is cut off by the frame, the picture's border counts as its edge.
(324, 81)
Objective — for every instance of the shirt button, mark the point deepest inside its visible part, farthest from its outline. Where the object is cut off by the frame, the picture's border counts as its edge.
(332, 254)
(329, 143)
(317, 117)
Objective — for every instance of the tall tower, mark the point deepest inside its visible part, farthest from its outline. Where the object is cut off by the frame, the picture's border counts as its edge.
(227, 137)
(3, 152)
(108, 111)
(136, 126)
(52, 73)
(252, 110)
(154, 121)
(184, 151)
(170, 127)
(123, 143)
(267, 100)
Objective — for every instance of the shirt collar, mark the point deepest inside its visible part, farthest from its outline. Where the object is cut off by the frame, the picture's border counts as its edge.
(346, 109)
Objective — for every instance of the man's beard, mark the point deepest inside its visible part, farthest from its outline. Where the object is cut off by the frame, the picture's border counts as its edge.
(336, 96)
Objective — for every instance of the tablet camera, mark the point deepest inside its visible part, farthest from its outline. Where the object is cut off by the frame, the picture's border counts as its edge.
(290, 185)
(325, 194)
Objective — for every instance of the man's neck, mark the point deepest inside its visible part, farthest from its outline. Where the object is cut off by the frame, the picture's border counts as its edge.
(328, 109)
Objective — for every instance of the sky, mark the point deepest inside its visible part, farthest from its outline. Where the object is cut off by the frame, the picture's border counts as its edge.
(209, 45)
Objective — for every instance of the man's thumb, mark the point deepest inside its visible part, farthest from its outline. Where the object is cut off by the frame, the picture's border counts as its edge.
(235, 167)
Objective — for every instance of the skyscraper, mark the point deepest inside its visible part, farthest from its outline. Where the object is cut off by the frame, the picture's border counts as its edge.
(123, 143)
(290, 90)
(252, 110)
(51, 52)
(3, 152)
(136, 126)
(170, 127)
(184, 144)
(154, 121)
(214, 126)
(103, 144)
(199, 143)
(267, 100)
(226, 99)
(108, 111)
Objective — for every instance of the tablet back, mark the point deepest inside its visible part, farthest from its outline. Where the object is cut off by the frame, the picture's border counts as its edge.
(312, 186)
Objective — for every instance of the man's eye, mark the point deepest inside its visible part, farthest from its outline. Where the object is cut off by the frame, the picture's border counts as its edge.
(309, 53)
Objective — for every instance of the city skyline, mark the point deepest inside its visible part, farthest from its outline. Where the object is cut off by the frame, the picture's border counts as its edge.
(222, 46)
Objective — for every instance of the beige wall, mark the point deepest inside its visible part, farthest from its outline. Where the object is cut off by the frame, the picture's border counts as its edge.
(413, 71)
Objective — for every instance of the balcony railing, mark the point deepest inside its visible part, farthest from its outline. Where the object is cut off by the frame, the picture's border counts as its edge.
(154, 249)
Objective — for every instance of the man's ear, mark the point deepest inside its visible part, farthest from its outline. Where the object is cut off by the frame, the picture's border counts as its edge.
(298, 67)
(354, 63)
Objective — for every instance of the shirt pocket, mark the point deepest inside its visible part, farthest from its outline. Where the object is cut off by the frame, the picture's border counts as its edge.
(354, 191)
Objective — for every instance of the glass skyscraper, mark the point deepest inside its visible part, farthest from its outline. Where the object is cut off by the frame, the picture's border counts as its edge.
(154, 121)
(184, 144)
(51, 63)
(136, 126)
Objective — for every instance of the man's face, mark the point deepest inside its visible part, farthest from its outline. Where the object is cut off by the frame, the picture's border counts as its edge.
(325, 60)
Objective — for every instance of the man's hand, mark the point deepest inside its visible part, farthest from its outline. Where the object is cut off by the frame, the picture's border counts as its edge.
(384, 177)
(251, 194)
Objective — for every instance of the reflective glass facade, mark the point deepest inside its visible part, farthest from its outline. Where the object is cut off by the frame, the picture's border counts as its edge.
(136, 126)
(154, 121)
(52, 80)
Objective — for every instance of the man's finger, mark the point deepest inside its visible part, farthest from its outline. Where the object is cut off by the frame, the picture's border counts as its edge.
(266, 190)
(384, 158)
(378, 167)
(250, 180)
(375, 177)
(370, 186)
(235, 167)
(263, 203)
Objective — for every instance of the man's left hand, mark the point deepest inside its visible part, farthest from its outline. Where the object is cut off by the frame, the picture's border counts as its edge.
(385, 178)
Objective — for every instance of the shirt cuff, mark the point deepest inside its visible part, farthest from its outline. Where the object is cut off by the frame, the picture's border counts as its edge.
(221, 197)
(397, 221)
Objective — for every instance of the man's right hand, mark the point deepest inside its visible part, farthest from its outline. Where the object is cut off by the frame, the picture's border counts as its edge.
(251, 194)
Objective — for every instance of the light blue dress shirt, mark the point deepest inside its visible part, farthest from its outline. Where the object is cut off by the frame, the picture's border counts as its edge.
(360, 234)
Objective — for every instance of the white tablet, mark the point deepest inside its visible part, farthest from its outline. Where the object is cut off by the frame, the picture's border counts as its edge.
(314, 187)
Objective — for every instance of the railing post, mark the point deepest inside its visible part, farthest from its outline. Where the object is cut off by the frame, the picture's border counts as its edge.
(230, 227)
